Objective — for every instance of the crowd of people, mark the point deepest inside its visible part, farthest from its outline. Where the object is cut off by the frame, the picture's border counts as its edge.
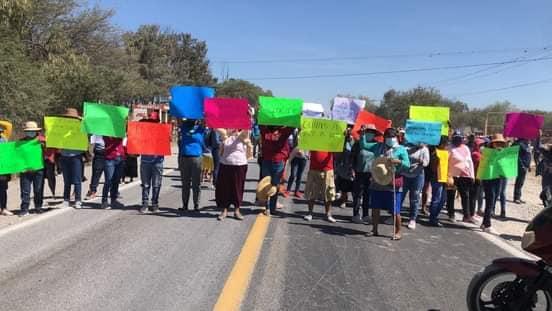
(380, 169)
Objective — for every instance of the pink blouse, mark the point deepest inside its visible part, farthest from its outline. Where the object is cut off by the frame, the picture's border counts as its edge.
(460, 162)
(234, 152)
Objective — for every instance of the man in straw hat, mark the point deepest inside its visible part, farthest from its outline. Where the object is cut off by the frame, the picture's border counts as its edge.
(72, 167)
(34, 179)
(320, 183)
(4, 179)
(494, 188)
(386, 190)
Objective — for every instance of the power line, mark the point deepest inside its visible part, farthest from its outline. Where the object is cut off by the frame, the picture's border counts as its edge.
(336, 75)
(400, 55)
(507, 87)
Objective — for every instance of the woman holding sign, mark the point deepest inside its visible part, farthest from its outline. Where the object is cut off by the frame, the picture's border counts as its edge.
(235, 150)
(493, 187)
(4, 179)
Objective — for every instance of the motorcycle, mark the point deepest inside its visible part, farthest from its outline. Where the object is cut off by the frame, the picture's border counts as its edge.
(516, 283)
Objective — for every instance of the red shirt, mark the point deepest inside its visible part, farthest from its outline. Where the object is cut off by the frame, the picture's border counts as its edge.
(321, 161)
(113, 148)
(274, 143)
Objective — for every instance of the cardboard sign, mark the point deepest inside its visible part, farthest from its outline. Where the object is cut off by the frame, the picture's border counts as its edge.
(148, 138)
(423, 132)
(347, 109)
(21, 156)
(280, 111)
(105, 120)
(229, 113)
(187, 101)
(322, 135)
(65, 133)
(313, 110)
(497, 163)
(431, 113)
(442, 171)
(366, 117)
(523, 125)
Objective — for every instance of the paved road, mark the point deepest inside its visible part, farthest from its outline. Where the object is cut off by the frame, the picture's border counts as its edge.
(121, 260)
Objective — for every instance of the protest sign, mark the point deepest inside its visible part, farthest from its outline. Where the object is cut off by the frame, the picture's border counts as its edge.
(7, 129)
(230, 113)
(105, 120)
(21, 156)
(496, 163)
(313, 110)
(148, 138)
(364, 117)
(347, 109)
(187, 101)
(523, 125)
(442, 171)
(423, 132)
(65, 133)
(280, 111)
(431, 113)
(322, 134)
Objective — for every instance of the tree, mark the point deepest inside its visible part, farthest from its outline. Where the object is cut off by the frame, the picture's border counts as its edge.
(238, 88)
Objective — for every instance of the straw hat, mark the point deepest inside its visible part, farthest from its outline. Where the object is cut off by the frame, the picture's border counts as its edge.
(372, 127)
(31, 126)
(72, 113)
(382, 172)
(498, 138)
(265, 189)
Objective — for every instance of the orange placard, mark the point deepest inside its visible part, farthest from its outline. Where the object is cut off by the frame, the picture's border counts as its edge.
(146, 138)
(366, 117)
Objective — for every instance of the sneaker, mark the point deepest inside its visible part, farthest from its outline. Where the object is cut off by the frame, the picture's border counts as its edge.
(357, 220)
(489, 230)
(65, 204)
(298, 195)
(452, 220)
(266, 212)
(23, 213)
(412, 225)
(144, 209)
(39, 210)
(279, 205)
(155, 208)
(78, 205)
(436, 224)
(308, 217)
(105, 206)
(196, 207)
(329, 218)
(343, 205)
(517, 201)
(5, 212)
(367, 220)
(90, 195)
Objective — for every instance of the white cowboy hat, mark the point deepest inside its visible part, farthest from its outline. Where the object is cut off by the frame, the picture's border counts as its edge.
(382, 172)
(31, 126)
(265, 189)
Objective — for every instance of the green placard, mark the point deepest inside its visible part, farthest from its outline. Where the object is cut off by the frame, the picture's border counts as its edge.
(105, 120)
(20, 156)
(497, 163)
(431, 113)
(322, 134)
(65, 133)
(280, 111)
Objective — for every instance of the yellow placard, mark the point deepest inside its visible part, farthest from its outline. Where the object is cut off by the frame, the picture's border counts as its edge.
(322, 135)
(431, 113)
(442, 171)
(7, 129)
(65, 133)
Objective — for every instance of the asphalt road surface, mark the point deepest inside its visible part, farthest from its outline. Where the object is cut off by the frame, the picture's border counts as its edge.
(119, 259)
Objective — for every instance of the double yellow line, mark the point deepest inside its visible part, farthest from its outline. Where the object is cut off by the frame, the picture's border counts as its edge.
(237, 283)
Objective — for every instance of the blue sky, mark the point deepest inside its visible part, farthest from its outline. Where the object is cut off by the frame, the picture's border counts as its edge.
(239, 30)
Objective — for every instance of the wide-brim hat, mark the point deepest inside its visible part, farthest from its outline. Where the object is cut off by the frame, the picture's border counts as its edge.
(498, 138)
(372, 127)
(265, 189)
(382, 172)
(31, 126)
(72, 113)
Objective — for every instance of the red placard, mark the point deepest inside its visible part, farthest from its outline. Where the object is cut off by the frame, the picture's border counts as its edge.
(147, 138)
(366, 117)
(229, 113)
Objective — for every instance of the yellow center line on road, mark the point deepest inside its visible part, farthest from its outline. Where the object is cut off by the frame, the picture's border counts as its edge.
(237, 283)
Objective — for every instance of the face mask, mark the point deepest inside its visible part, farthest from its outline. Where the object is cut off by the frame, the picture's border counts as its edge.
(391, 141)
(30, 134)
(369, 136)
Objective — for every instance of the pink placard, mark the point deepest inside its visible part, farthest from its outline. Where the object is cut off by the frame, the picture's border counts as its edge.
(522, 125)
(230, 113)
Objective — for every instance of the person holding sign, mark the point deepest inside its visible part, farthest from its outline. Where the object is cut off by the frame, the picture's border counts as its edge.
(113, 170)
(275, 151)
(151, 174)
(31, 179)
(438, 163)
(192, 145)
(386, 190)
(414, 178)
(236, 149)
(4, 179)
(524, 163)
(461, 169)
(320, 183)
(494, 187)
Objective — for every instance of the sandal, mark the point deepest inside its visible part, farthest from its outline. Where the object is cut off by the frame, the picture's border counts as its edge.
(222, 216)
(238, 216)
(396, 237)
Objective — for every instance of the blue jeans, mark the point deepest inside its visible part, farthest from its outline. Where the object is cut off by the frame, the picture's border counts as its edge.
(112, 176)
(502, 193)
(151, 175)
(492, 189)
(414, 185)
(296, 173)
(71, 168)
(438, 199)
(361, 193)
(274, 170)
(27, 180)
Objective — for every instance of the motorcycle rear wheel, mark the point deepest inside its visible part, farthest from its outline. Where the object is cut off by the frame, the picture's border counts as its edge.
(504, 295)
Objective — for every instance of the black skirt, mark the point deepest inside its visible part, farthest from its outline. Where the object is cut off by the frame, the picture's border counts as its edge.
(230, 185)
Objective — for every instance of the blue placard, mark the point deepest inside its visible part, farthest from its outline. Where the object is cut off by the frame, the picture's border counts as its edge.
(187, 101)
(423, 132)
